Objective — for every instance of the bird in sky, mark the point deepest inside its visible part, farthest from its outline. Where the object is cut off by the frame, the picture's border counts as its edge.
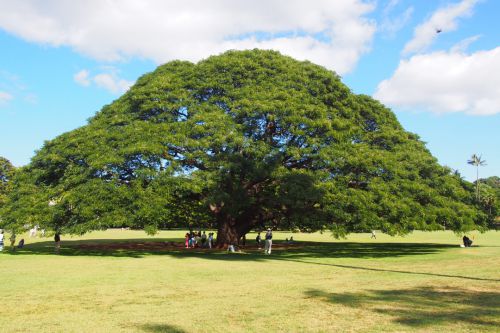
(438, 30)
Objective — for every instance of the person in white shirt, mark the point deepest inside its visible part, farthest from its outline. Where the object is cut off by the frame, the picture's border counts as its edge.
(1, 241)
(268, 241)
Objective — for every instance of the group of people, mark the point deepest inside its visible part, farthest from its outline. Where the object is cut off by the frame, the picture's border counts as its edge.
(268, 241)
(33, 232)
(12, 241)
(199, 239)
(203, 240)
(20, 245)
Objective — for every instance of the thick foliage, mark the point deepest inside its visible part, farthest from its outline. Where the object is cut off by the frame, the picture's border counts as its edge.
(490, 197)
(242, 140)
(6, 173)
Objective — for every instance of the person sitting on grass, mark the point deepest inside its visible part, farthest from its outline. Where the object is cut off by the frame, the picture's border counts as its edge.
(231, 248)
(21, 244)
(467, 241)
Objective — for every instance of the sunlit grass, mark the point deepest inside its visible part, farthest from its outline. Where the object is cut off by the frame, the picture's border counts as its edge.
(421, 283)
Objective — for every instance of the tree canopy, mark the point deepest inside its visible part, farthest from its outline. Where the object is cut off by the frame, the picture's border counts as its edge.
(240, 141)
(6, 173)
(493, 181)
(490, 197)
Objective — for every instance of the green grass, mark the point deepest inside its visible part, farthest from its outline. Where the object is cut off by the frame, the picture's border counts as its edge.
(420, 283)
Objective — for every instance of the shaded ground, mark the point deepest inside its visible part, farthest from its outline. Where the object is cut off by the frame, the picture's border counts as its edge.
(170, 245)
(140, 247)
(423, 306)
(300, 252)
(161, 328)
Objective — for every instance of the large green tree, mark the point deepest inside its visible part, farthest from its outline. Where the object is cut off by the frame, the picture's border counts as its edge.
(243, 140)
(490, 196)
(6, 173)
(493, 181)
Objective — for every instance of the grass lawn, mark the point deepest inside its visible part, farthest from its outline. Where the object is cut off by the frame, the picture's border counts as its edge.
(420, 283)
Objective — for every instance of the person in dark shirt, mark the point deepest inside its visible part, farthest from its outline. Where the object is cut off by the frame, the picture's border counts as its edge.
(57, 240)
(467, 241)
(258, 240)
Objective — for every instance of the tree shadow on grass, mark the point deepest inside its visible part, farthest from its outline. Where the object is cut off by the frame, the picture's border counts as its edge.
(161, 328)
(392, 270)
(133, 248)
(424, 306)
(301, 252)
(140, 247)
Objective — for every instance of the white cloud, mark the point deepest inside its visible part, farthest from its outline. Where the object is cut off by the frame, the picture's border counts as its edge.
(82, 78)
(5, 97)
(112, 83)
(13, 87)
(108, 80)
(391, 4)
(391, 25)
(462, 46)
(444, 82)
(193, 29)
(444, 19)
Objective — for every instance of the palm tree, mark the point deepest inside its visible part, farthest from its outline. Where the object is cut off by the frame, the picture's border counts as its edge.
(477, 162)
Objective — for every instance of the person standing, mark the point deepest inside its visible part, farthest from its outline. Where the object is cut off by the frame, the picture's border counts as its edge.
(210, 239)
(57, 240)
(203, 239)
(12, 241)
(269, 241)
(258, 240)
(373, 235)
(1, 241)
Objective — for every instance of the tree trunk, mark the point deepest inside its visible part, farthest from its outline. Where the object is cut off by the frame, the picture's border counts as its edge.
(230, 230)
(477, 183)
(227, 233)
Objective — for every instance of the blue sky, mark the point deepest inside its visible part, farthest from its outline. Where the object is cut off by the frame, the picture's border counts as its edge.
(61, 62)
